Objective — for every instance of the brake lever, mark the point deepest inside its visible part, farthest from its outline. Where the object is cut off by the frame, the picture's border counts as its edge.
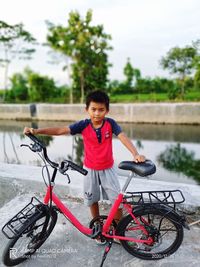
(33, 147)
(69, 181)
(65, 173)
(25, 145)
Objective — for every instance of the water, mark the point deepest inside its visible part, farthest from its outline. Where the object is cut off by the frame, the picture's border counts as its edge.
(175, 149)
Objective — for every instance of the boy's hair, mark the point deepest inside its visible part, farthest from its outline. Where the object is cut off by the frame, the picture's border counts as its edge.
(98, 97)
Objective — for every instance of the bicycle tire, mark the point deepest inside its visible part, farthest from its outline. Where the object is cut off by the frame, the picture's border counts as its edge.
(37, 238)
(144, 251)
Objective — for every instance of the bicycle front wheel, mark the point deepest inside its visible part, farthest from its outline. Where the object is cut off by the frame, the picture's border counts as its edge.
(163, 228)
(22, 247)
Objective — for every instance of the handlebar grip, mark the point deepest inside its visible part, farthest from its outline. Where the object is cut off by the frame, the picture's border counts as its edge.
(77, 168)
(67, 163)
(35, 139)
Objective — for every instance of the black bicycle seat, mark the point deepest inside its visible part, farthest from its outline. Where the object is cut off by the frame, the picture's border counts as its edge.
(142, 168)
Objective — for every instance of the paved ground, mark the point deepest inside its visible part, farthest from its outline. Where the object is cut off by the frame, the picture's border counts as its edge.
(67, 247)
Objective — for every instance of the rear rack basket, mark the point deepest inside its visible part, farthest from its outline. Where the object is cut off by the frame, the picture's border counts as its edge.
(23, 219)
(170, 198)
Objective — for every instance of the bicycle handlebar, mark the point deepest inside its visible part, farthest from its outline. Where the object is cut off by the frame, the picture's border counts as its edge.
(41, 146)
(36, 140)
(38, 146)
(65, 164)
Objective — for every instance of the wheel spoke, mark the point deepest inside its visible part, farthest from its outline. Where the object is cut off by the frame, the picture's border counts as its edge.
(165, 231)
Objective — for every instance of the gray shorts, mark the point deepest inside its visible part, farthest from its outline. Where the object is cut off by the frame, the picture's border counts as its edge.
(97, 182)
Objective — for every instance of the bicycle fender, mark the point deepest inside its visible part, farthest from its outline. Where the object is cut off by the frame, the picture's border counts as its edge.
(180, 219)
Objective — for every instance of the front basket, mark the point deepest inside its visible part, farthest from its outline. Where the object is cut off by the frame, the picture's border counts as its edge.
(23, 219)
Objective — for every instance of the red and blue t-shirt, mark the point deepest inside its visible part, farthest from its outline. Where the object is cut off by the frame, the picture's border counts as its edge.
(98, 153)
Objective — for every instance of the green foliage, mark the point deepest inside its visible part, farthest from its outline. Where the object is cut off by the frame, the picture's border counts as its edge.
(1, 94)
(174, 91)
(180, 61)
(15, 42)
(86, 45)
(31, 86)
(132, 75)
(19, 87)
(40, 87)
(155, 85)
(129, 74)
(197, 80)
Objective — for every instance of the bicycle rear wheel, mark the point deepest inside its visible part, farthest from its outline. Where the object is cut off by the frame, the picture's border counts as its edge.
(22, 247)
(166, 232)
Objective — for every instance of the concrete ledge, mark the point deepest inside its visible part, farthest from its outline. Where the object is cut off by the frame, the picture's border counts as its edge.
(180, 113)
(15, 112)
(172, 113)
(60, 112)
(31, 174)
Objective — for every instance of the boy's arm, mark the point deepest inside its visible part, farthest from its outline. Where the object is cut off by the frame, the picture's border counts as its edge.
(129, 145)
(48, 131)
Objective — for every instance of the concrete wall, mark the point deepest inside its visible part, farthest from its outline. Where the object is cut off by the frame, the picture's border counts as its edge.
(15, 112)
(61, 112)
(181, 113)
(175, 113)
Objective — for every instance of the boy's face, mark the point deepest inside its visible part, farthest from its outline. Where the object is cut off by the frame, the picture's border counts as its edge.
(97, 111)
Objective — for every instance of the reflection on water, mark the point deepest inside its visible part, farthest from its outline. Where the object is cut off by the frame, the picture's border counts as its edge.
(174, 148)
(179, 159)
(78, 149)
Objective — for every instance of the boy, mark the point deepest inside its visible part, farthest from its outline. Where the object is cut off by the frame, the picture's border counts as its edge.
(98, 157)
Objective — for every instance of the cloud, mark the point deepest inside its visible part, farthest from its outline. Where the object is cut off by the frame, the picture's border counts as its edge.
(142, 30)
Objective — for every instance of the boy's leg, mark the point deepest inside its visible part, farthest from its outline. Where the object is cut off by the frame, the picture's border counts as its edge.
(94, 209)
(92, 191)
(111, 188)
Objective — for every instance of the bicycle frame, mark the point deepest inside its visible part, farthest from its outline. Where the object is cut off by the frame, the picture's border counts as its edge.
(105, 231)
(38, 146)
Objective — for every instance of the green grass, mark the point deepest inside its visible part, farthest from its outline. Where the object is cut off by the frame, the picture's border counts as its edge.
(139, 98)
(153, 97)
(192, 96)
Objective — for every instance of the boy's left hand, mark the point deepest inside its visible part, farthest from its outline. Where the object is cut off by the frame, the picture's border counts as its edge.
(139, 158)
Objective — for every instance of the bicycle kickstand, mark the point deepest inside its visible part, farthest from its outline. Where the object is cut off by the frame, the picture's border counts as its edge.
(107, 249)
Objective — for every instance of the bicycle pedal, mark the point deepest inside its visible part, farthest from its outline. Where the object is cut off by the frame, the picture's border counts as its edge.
(96, 230)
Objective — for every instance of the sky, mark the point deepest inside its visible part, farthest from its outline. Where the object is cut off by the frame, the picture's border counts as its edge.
(142, 30)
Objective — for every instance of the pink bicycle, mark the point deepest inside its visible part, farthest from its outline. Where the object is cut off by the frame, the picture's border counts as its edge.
(151, 229)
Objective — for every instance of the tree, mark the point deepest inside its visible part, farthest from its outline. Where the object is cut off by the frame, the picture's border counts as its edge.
(132, 75)
(40, 87)
(19, 87)
(129, 73)
(12, 40)
(196, 44)
(197, 79)
(180, 61)
(86, 45)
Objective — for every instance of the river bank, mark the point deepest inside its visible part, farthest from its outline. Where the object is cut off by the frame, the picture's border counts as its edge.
(164, 113)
